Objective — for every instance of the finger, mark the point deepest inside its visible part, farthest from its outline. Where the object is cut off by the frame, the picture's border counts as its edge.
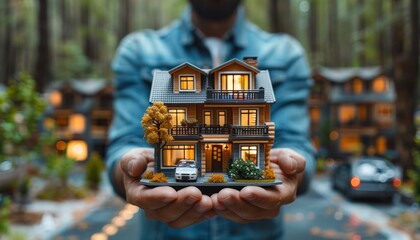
(263, 198)
(223, 202)
(196, 214)
(134, 163)
(151, 198)
(186, 199)
(288, 160)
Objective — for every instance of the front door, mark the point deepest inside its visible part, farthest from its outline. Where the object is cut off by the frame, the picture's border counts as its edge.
(217, 158)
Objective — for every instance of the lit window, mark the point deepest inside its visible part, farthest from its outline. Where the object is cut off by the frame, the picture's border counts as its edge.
(379, 85)
(248, 117)
(249, 153)
(315, 115)
(235, 82)
(186, 83)
(350, 144)
(77, 150)
(221, 118)
(172, 154)
(207, 118)
(177, 116)
(363, 113)
(381, 145)
(384, 113)
(357, 86)
(346, 113)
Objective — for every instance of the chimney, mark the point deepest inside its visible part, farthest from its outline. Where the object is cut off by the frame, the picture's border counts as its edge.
(251, 60)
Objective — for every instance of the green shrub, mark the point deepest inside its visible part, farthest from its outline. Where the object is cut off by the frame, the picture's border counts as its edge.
(93, 171)
(4, 215)
(244, 169)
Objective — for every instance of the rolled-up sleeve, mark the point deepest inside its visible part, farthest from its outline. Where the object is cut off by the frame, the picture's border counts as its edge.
(131, 94)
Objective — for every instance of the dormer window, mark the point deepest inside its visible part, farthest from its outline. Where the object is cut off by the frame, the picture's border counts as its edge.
(186, 83)
(380, 85)
(235, 81)
(358, 86)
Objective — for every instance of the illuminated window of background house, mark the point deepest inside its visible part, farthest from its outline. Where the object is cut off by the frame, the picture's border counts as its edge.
(357, 86)
(346, 113)
(235, 82)
(384, 113)
(363, 113)
(186, 83)
(172, 154)
(248, 117)
(315, 114)
(249, 153)
(177, 116)
(350, 144)
(380, 84)
(221, 118)
(381, 144)
(207, 118)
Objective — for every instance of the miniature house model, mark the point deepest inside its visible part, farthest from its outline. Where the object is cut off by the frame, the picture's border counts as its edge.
(218, 114)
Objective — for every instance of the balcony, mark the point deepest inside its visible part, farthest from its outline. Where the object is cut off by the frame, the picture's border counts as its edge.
(234, 96)
(236, 132)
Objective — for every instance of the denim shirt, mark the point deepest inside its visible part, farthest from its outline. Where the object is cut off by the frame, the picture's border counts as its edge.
(142, 52)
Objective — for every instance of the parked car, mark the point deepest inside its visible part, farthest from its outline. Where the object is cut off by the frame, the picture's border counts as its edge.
(366, 178)
(186, 170)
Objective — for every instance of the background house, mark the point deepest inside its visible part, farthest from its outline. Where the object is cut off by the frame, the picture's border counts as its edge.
(81, 112)
(353, 112)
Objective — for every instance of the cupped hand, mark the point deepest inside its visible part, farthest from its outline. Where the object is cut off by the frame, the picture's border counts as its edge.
(256, 203)
(178, 209)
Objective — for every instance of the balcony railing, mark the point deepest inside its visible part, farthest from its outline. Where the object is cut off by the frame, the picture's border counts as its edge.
(235, 131)
(235, 95)
(249, 130)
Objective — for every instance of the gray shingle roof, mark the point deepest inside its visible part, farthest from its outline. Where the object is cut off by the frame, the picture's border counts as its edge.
(162, 89)
(340, 75)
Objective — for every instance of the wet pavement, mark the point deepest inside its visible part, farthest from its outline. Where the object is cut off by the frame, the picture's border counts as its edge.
(319, 214)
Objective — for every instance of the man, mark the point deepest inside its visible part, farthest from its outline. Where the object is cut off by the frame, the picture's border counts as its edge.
(210, 32)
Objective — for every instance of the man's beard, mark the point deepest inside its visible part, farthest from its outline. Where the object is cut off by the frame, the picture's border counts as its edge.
(215, 10)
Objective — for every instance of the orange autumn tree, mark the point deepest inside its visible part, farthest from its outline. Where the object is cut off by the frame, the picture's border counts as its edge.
(157, 124)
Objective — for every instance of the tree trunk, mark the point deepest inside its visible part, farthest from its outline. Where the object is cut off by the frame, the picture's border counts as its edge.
(9, 59)
(43, 51)
(273, 14)
(405, 91)
(283, 11)
(333, 52)
(360, 30)
(125, 18)
(313, 31)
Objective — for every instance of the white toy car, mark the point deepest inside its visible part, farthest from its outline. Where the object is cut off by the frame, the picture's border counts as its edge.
(186, 170)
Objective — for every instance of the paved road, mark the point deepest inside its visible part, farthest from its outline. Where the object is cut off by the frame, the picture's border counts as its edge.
(319, 214)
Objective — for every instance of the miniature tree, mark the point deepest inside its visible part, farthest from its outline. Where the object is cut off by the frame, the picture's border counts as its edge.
(156, 123)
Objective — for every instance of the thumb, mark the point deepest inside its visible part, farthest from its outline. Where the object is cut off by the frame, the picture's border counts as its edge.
(289, 161)
(134, 163)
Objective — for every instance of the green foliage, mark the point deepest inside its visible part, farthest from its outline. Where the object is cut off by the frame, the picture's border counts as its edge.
(58, 169)
(71, 62)
(414, 174)
(4, 215)
(21, 108)
(320, 164)
(241, 169)
(93, 171)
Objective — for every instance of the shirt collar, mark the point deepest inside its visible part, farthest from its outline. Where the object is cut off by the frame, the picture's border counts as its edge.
(237, 35)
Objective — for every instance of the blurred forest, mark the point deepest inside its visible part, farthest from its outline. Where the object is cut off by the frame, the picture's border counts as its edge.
(60, 40)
